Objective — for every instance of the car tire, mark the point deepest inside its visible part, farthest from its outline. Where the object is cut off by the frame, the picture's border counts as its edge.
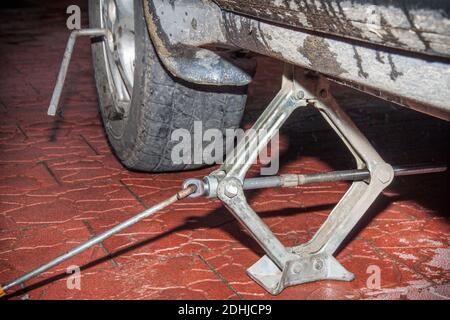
(160, 104)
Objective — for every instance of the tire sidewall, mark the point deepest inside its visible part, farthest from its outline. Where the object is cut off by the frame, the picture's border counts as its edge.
(122, 133)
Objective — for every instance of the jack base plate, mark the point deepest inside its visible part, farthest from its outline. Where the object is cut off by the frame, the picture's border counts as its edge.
(305, 269)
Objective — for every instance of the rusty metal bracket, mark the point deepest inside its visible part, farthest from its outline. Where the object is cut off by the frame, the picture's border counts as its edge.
(282, 266)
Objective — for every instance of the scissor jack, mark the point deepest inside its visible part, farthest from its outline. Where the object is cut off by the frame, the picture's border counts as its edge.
(281, 266)
(312, 261)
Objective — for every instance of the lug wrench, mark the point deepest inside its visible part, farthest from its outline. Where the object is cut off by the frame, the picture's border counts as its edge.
(195, 188)
(54, 102)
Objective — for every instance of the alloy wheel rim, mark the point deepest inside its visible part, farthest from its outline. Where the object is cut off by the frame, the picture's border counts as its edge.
(117, 17)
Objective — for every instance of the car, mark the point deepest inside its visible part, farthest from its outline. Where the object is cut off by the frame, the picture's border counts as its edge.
(166, 64)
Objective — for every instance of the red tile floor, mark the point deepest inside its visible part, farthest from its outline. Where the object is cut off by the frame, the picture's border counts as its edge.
(60, 184)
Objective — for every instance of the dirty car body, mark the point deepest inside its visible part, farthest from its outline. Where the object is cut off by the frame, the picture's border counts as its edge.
(397, 50)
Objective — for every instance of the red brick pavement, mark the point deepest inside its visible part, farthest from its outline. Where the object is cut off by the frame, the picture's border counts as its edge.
(60, 184)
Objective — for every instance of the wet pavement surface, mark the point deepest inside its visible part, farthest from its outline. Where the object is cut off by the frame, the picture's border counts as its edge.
(60, 184)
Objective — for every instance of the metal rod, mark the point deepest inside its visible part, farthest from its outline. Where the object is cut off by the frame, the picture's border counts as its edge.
(292, 180)
(54, 102)
(99, 238)
(263, 182)
(409, 170)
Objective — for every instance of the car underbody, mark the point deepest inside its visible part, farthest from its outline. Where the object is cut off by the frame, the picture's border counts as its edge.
(380, 56)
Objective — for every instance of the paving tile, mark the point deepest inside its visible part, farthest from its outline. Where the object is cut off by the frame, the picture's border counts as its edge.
(190, 279)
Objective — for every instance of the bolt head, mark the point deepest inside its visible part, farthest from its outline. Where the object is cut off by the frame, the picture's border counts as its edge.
(318, 264)
(299, 95)
(384, 173)
(231, 190)
(384, 177)
(297, 268)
